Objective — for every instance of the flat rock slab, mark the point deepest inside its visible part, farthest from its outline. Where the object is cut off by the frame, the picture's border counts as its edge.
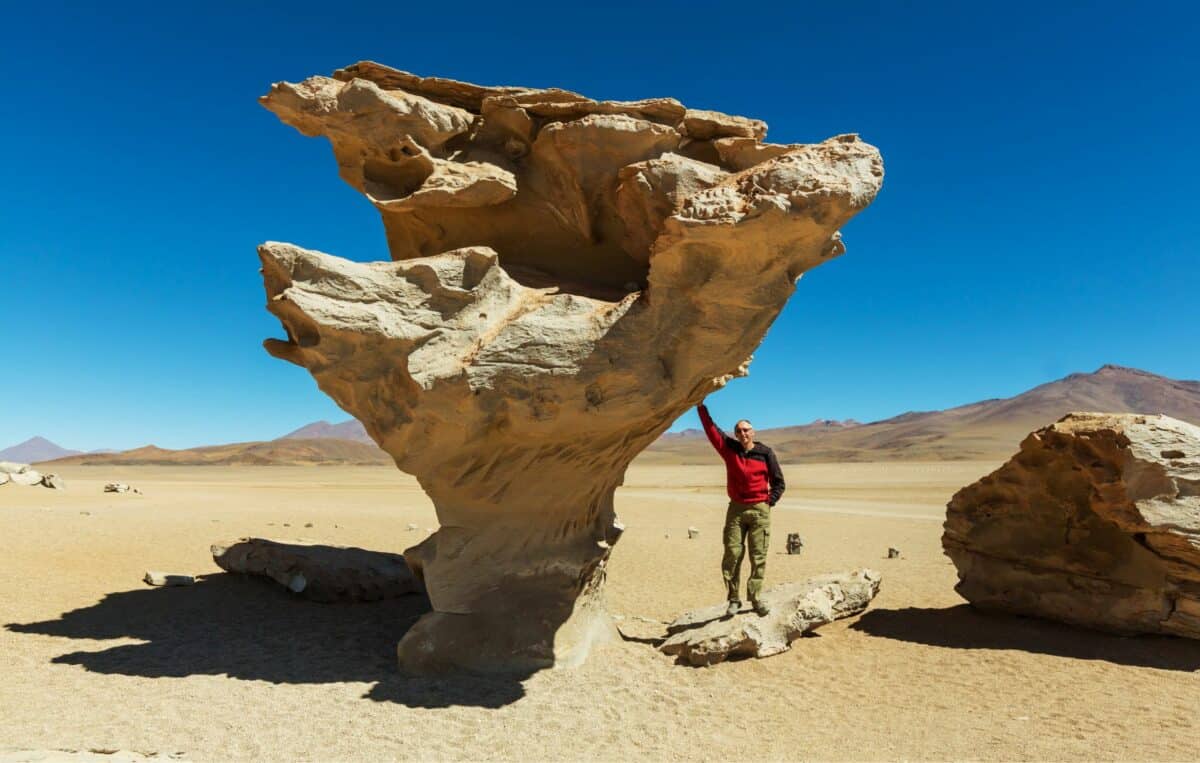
(1094, 522)
(170, 579)
(320, 572)
(707, 637)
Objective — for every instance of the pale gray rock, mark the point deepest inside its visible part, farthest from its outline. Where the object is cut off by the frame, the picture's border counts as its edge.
(4, 478)
(1094, 522)
(707, 636)
(118, 487)
(12, 467)
(320, 572)
(568, 277)
(28, 477)
(155, 578)
(53, 481)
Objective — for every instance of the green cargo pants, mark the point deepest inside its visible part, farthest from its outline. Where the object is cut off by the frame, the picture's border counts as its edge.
(746, 524)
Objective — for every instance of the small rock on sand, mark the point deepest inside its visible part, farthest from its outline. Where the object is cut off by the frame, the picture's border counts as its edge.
(167, 578)
(53, 481)
(794, 544)
(693, 532)
(893, 553)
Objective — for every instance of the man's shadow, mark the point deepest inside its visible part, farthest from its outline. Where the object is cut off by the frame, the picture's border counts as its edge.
(253, 629)
(964, 627)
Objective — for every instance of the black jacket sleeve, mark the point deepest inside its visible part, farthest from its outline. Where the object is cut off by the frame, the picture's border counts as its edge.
(775, 475)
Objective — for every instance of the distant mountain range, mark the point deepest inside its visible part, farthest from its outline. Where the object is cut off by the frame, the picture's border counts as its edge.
(347, 430)
(327, 451)
(991, 429)
(35, 449)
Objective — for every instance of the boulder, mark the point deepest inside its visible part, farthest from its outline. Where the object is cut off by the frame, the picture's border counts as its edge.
(707, 636)
(27, 477)
(320, 572)
(12, 467)
(118, 487)
(568, 277)
(4, 478)
(1094, 522)
(53, 481)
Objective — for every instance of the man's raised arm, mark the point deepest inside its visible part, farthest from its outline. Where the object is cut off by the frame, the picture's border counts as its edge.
(714, 433)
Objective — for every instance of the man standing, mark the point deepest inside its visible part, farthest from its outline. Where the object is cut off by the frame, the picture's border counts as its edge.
(754, 482)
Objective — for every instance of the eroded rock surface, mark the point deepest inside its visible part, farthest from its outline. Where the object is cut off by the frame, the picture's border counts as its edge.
(706, 636)
(1095, 522)
(569, 276)
(319, 572)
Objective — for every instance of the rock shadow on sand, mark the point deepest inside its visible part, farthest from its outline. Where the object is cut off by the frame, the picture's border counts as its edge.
(964, 627)
(252, 629)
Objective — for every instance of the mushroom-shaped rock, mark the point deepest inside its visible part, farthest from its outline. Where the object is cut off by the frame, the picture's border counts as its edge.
(1094, 522)
(568, 277)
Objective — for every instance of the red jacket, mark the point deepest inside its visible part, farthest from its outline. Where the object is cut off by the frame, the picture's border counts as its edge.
(751, 476)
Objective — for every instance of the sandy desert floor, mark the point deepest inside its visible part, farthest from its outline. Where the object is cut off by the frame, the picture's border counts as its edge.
(235, 669)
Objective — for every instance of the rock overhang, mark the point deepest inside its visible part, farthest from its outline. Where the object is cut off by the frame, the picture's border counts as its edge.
(568, 276)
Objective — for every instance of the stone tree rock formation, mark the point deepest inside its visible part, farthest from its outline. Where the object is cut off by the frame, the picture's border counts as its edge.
(1095, 522)
(568, 277)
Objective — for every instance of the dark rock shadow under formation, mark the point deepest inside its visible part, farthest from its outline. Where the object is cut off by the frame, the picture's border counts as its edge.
(253, 629)
(964, 627)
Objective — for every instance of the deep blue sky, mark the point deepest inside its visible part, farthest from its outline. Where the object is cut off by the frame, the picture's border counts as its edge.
(1039, 214)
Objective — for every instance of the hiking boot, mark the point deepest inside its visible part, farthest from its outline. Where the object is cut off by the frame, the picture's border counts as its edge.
(761, 608)
(733, 608)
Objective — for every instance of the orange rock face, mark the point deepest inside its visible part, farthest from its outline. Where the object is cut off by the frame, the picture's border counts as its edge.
(1095, 522)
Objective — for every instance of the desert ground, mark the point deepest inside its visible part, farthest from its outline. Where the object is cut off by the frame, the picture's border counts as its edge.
(237, 669)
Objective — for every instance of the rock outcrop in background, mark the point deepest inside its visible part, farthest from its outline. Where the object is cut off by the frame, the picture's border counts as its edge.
(1095, 522)
(569, 276)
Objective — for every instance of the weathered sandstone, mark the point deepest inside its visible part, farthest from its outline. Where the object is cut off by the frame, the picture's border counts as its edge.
(569, 276)
(320, 572)
(1095, 522)
(706, 636)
